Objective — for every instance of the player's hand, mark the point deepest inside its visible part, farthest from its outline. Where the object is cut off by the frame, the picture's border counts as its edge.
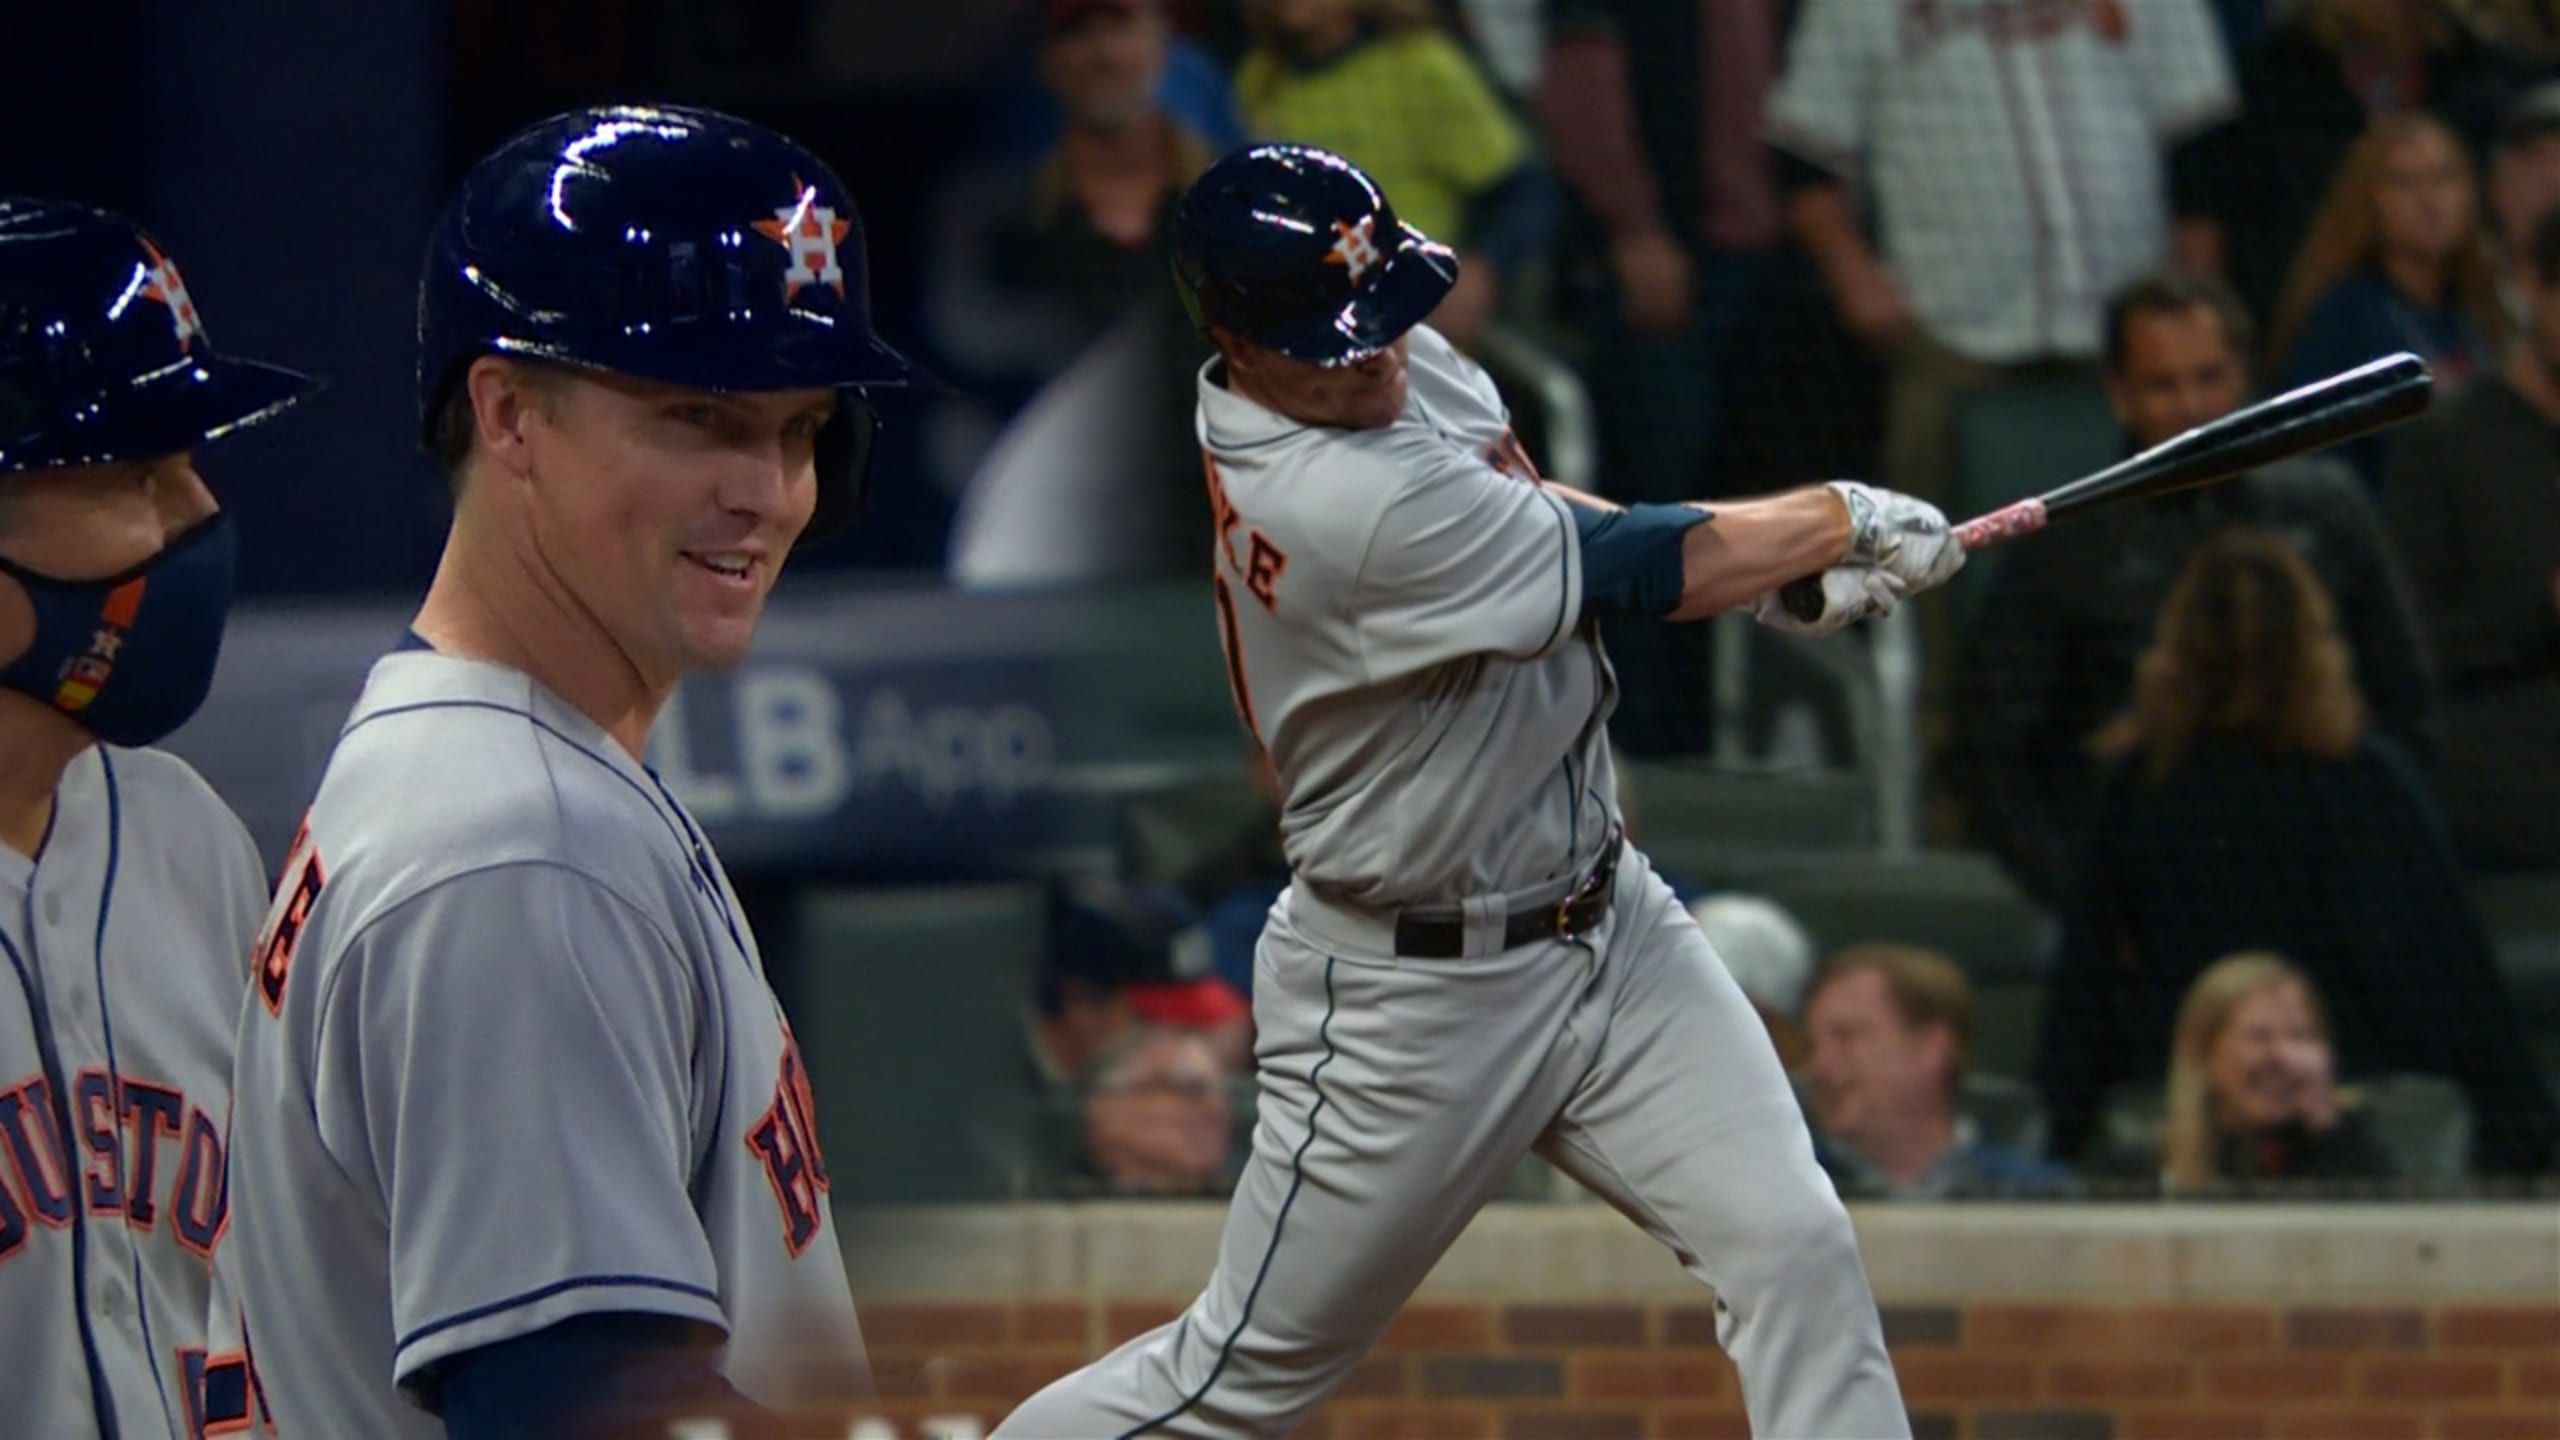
(1906, 537)
(1654, 283)
(1850, 593)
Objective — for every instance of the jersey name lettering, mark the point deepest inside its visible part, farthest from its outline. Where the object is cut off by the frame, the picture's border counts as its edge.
(286, 918)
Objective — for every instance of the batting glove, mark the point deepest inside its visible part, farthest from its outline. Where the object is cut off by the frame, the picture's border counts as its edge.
(1905, 537)
(1850, 593)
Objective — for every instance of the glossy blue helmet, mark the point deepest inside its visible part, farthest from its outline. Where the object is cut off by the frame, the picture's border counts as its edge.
(1296, 250)
(668, 243)
(103, 354)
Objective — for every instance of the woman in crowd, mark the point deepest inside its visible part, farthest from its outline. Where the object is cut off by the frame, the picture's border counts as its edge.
(2252, 1093)
(2317, 77)
(2247, 805)
(2396, 260)
(1381, 84)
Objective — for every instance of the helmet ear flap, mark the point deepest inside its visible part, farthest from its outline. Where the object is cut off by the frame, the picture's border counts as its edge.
(844, 466)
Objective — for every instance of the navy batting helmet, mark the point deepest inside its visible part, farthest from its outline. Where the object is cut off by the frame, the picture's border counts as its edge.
(668, 243)
(1296, 250)
(103, 356)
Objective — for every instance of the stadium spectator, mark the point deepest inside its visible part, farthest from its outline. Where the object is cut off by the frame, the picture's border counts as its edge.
(1192, 997)
(1891, 1028)
(2050, 656)
(1770, 957)
(2322, 72)
(1094, 232)
(2013, 158)
(1653, 112)
(2471, 501)
(1156, 1117)
(2524, 185)
(1080, 1000)
(1381, 84)
(1099, 477)
(2396, 260)
(2252, 1098)
(2247, 805)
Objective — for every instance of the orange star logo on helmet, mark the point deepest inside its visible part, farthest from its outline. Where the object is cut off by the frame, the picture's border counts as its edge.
(811, 232)
(1357, 248)
(161, 282)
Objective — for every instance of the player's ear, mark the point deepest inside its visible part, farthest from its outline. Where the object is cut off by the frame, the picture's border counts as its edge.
(506, 399)
(1238, 352)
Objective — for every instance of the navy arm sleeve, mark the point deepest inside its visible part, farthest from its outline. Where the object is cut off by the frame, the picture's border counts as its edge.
(1631, 558)
(617, 1375)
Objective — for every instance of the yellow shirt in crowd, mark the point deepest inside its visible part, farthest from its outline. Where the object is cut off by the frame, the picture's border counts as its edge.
(1411, 108)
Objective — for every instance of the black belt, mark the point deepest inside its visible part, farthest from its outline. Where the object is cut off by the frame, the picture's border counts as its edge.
(1444, 937)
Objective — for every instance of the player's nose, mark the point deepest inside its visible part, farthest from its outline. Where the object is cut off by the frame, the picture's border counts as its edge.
(768, 483)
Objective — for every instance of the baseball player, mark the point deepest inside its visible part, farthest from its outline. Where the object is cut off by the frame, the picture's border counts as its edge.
(522, 1143)
(128, 892)
(1470, 962)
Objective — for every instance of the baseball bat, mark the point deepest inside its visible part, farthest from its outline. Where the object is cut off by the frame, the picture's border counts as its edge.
(2350, 403)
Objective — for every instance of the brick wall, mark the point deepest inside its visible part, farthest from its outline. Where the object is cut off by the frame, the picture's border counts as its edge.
(1985, 1370)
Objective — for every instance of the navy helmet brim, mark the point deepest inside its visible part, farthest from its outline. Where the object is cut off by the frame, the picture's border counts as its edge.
(173, 409)
(1410, 284)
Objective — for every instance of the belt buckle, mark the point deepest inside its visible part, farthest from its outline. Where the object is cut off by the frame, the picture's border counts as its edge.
(1565, 928)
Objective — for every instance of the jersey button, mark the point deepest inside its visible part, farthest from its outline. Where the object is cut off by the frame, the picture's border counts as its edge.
(111, 1297)
(53, 907)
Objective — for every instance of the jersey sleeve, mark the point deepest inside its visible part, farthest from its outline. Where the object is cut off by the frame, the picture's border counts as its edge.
(507, 1060)
(2179, 59)
(1820, 109)
(1466, 560)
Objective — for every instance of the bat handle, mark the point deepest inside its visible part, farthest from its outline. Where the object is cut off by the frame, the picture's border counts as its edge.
(1803, 597)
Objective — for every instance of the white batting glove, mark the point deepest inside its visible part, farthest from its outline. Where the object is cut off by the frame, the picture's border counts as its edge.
(1905, 537)
(1850, 593)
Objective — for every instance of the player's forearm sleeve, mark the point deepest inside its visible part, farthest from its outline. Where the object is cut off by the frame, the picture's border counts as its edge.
(1631, 560)
(596, 1377)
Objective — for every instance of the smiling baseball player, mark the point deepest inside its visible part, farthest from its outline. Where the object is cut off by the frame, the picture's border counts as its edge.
(523, 1146)
(1470, 962)
(128, 892)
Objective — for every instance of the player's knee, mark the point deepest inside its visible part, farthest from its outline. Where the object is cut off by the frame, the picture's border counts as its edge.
(1795, 1247)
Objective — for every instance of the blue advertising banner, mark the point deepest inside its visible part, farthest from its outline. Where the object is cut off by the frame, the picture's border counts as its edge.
(873, 730)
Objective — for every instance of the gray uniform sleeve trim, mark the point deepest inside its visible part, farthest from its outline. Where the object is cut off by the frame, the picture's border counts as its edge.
(1568, 546)
(529, 1297)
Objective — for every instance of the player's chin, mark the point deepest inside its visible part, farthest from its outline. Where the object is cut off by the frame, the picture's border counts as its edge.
(719, 642)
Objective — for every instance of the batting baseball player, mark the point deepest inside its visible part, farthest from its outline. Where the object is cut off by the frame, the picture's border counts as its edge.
(128, 892)
(522, 1143)
(1470, 962)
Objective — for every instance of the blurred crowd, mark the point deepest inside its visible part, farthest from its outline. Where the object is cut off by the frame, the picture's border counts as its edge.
(2247, 746)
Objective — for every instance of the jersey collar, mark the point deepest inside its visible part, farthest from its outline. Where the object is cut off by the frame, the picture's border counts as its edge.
(409, 677)
(1230, 422)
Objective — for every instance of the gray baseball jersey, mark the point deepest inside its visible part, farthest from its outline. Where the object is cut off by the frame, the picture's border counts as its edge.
(509, 1057)
(1402, 610)
(2014, 150)
(127, 943)
(1402, 613)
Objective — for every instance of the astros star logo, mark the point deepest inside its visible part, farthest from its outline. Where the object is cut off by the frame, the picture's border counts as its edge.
(810, 231)
(163, 284)
(1357, 249)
